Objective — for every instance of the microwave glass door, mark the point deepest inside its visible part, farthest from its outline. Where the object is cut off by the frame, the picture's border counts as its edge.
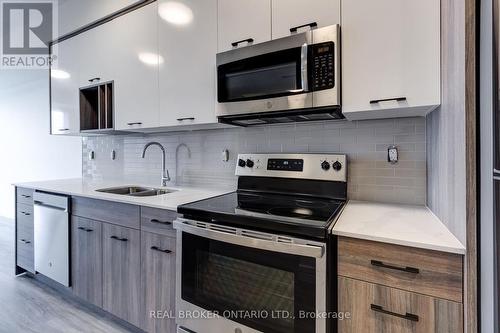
(269, 75)
(233, 281)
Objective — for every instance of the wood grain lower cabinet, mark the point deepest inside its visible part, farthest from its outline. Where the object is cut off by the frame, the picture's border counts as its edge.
(377, 309)
(86, 259)
(121, 273)
(158, 282)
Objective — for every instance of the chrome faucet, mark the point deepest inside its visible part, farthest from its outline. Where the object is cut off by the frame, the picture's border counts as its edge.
(165, 177)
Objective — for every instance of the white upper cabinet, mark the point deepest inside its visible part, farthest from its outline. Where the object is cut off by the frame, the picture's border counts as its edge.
(241, 20)
(288, 14)
(188, 45)
(390, 58)
(134, 38)
(65, 82)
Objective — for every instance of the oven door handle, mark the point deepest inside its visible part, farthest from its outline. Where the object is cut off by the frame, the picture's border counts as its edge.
(304, 55)
(314, 251)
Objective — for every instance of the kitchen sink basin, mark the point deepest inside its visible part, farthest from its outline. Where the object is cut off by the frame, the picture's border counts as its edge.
(136, 191)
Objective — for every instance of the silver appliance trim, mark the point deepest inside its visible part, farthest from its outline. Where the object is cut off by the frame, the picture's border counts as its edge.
(253, 239)
(216, 323)
(303, 67)
(307, 100)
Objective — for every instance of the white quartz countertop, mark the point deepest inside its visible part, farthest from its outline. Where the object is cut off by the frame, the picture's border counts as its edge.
(82, 188)
(414, 226)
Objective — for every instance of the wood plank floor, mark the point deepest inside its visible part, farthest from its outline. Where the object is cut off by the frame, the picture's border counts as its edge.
(27, 305)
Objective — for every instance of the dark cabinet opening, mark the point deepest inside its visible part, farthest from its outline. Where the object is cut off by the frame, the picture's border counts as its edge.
(96, 107)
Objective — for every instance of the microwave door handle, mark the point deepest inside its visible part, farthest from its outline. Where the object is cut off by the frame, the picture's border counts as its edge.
(303, 67)
(313, 251)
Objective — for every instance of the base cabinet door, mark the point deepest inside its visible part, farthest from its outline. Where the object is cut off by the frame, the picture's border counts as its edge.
(121, 273)
(378, 309)
(86, 257)
(158, 282)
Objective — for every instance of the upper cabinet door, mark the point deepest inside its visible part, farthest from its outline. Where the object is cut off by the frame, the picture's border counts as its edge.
(64, 80)
(241, 20)
(134, 38)
(288, 14)
(188, 44)
(390, 58)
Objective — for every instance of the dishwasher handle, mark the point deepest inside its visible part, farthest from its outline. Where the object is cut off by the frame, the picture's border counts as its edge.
(51, 201)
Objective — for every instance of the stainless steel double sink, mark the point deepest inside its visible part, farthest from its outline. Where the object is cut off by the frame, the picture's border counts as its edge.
(136, 191)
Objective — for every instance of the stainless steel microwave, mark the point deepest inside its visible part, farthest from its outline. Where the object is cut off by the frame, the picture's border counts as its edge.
(295, 78)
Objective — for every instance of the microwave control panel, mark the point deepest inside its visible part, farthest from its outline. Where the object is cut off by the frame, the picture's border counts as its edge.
(323, 66)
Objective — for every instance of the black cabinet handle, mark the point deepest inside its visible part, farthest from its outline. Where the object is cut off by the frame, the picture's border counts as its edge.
(312, 25)
(25, 214)
(85, 229)
(397, 99)
(407, 316)
(25, 241)
(161, 222)
(137, 123)
(119, 239)
(63, 129)
(402, 269)
(188, 118)
(95, 79)
(26, 196)
(248, 40)
(156, 248)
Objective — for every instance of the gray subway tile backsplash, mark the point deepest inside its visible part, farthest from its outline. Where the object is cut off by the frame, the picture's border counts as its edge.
(371, 177)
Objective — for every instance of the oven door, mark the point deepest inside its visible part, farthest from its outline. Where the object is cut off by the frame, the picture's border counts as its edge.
(234, 280)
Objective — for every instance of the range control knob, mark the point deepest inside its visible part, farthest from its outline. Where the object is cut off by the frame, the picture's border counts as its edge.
(250, 163)
(337, 166)
(242, 163)
(325, 165)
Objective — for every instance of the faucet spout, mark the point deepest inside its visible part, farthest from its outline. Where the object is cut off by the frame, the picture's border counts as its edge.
(165, 176)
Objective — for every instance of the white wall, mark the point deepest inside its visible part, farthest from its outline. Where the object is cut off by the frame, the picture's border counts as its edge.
(27, 151)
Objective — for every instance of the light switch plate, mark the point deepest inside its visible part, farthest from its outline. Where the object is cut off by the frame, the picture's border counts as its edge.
(393, 155)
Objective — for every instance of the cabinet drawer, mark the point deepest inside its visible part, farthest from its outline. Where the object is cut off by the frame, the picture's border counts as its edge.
(378, 309)
(422, 271)
(24, 222)
(25, 256)
(24, 195)
(107, 211)
(158, 221)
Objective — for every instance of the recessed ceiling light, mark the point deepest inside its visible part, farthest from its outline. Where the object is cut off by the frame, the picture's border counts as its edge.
(176, 13)
(59, 74)
(151, 59)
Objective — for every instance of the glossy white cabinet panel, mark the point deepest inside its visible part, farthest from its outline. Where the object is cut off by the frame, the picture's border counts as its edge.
(65, 112)
(134, 38)
(243, 19)
(187, 73)
(288, 14)
(390, 49)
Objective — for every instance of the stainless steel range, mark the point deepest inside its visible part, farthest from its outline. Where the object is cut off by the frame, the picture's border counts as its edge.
(256, 260)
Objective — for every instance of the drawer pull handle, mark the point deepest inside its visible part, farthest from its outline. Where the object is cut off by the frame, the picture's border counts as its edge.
(136, 123)
(402, 269)
(84, 229)
(25, 241)
(187, 118)
(119, 239)
(25, 214)
(312, 25)
(407, 316)
(157, 249)
(26, 196)
(397, 99)
(161, 222)
(95, 79)
(248, 40)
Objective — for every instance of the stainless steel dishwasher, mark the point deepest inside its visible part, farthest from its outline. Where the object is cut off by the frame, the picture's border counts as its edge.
(52, 236)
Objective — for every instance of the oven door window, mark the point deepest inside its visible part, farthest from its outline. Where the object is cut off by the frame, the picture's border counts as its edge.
(264, 290)
(265, 76)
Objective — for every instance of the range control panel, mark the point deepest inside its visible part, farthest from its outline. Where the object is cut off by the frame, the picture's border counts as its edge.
(330, 167)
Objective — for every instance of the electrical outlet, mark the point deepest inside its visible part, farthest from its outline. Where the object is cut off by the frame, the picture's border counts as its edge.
(393, 155)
